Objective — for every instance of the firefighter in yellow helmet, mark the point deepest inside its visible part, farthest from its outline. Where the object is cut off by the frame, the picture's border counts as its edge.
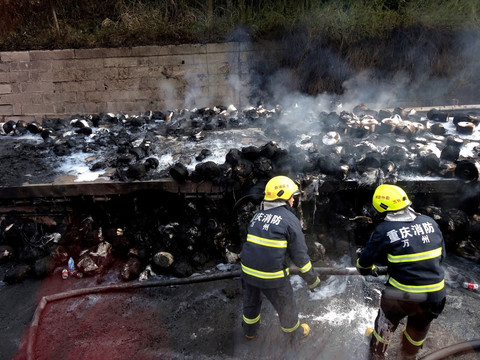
(275, 234)
(411, 246)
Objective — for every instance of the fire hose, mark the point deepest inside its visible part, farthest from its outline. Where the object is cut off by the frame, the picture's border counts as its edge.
(455, 349)
(155, 283)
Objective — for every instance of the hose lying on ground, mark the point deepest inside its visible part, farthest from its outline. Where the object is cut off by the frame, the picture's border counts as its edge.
(154, 283)
(455, 349)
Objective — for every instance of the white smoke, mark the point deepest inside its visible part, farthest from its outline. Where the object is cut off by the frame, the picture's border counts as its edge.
(379, 90)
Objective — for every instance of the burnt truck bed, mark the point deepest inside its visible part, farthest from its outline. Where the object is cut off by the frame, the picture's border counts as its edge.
(220, 150)
(181, 186)
(101, 189)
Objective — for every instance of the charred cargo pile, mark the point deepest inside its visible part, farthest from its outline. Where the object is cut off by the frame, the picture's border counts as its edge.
(226, 146)
(138, 235)
(157, 232)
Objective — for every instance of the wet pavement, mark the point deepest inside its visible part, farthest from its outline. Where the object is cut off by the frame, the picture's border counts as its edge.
(203, 320)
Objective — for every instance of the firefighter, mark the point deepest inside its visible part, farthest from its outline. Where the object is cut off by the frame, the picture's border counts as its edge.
(411, 246)
(275, 234)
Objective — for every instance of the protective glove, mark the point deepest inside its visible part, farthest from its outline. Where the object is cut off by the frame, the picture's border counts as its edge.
(359, 252)
(373, 271)
(314, 285)
(367, 271)
(370, 271)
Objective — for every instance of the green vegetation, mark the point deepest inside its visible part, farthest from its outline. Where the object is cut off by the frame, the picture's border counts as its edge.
(56, 24)
(325, 42)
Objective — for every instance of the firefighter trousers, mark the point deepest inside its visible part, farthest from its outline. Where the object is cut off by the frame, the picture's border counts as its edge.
(282, 300)
(420, 310)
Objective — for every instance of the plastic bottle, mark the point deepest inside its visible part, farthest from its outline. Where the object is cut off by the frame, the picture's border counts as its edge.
(71, 266)
(470, 286)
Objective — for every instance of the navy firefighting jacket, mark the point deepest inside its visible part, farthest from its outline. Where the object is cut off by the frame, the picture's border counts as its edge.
(274, 236)
(413, 252)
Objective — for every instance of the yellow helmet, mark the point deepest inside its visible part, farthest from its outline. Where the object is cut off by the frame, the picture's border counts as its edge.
(280, 187)
(390, 198)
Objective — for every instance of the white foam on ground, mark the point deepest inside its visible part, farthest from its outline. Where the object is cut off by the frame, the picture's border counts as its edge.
(467, 152)
(76, 165)
(27, 137)
(226, 267)
(342, 309)
(334, 285)
(347, 313)
(165, 161)
(218, 148)
(331, 287)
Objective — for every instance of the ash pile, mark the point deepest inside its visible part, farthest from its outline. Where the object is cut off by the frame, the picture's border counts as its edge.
(155, 232)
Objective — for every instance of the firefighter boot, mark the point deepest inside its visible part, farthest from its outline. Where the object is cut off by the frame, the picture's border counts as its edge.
(410, 347)
(377, 347)
(302, 331)
(294, 338)
(250, 330)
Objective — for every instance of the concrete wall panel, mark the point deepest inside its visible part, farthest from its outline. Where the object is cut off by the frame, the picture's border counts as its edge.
(61, 83)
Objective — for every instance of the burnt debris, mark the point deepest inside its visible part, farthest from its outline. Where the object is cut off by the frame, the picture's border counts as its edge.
(338, 158)
(225, 145)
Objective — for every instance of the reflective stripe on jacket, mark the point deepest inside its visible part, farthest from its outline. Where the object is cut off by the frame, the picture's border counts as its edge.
(274, 236)
(413, 252)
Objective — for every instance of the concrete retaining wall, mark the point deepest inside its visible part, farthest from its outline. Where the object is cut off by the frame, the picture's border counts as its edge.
(62, 83)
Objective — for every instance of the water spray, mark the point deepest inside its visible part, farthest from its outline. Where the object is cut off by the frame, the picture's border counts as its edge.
(156, 283)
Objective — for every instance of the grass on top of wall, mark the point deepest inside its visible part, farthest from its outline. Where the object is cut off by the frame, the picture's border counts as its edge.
(57, 24)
